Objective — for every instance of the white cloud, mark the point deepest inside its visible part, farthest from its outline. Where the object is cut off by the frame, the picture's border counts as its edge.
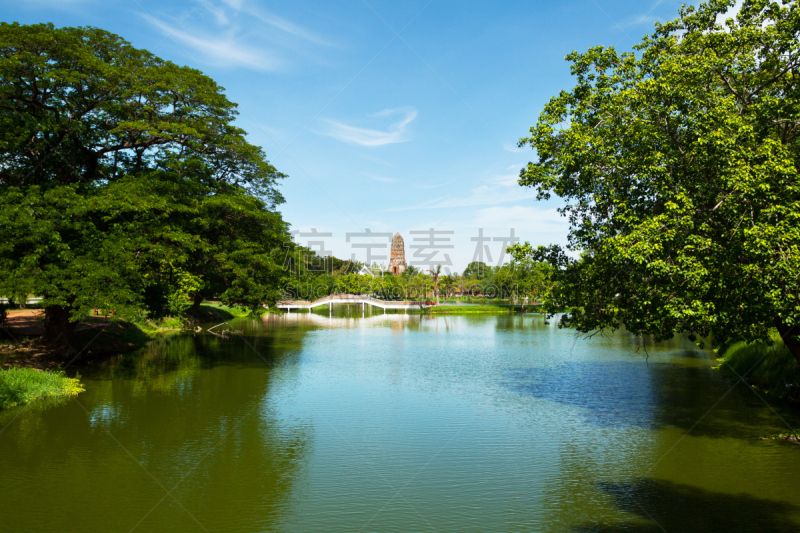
(371, 137)
(220, 51)
(275, 21)
(289, 27)
(221, 34)
(219, 13)
(235, 4)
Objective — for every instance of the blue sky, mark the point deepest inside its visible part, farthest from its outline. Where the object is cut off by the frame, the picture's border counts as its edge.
(392, 116)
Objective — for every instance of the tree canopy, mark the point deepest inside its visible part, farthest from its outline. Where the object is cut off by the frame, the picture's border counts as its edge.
(678, 164)
(124, 182)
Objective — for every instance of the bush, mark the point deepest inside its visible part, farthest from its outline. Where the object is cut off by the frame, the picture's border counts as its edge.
(770, 368)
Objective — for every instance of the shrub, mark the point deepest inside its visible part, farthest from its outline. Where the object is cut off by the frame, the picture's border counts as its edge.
(771, 368)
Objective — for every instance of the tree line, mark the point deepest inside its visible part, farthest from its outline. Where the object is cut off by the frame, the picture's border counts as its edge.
(315, 277)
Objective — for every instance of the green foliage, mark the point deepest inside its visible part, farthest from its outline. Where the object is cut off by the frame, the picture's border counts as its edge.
(771, 368)
(21, 385)
(184, 285)
(124, 183)
(679, 168)
(477, 270)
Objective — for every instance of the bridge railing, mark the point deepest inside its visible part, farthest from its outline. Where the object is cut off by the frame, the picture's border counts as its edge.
(348, 297)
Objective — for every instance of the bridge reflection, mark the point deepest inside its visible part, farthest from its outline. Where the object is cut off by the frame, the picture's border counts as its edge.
(364, 300)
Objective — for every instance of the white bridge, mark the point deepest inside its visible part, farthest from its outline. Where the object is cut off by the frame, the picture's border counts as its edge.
(349, 299)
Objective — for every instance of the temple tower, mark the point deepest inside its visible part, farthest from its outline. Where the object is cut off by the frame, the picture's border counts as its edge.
(397, 261)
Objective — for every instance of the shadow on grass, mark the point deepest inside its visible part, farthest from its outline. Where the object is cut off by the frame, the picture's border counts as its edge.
(212, 313)
(666, 506)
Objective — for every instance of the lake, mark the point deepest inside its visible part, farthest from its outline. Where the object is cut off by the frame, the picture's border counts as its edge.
(401, 423)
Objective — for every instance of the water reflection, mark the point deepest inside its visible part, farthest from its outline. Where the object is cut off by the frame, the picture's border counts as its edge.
(196, 413)
(310, 422)
(650, 396)
(665, 506)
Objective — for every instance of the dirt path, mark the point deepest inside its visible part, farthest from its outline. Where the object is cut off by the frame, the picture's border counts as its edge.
(23, 325)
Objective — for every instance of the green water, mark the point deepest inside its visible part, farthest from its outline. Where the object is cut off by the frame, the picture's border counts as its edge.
(400, 423)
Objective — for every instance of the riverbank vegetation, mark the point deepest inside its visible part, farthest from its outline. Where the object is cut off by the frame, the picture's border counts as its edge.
(101, 334)
(678, 165)
(22, 385)
(769, 367)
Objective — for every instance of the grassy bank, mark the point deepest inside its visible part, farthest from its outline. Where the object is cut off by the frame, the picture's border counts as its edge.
(29, 371)
(771, 369)
(223, 311)
(21, 385)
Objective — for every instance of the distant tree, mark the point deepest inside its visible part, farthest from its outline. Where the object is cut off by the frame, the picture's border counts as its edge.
(124, 181)
(476, 270)
(410, 272)
(435, 273)
(680, 168)
(448, 283)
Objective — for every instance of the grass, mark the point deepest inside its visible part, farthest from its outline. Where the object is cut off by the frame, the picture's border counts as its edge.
(167, 323)
(120, 332)
(21, 385)
(772, 369)
(223, 310)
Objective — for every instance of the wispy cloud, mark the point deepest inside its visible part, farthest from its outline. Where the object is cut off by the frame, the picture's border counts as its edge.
(381, 178)
(247, 8)
(522, 217)
(66, 4)
(436, 186)
(289, 27)
(220, 33)
(500, 189)
(221, 51)
(642, 18)
(396, 133)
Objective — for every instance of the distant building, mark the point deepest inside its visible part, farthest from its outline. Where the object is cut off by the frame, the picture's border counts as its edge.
(366, 271)
(397, 262)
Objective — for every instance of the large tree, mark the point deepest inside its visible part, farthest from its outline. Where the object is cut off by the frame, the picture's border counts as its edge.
(679, 168)
(122, 176)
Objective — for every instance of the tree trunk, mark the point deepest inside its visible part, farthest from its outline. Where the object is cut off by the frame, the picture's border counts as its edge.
(790, 340)
(59, 332)
(198, 299)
